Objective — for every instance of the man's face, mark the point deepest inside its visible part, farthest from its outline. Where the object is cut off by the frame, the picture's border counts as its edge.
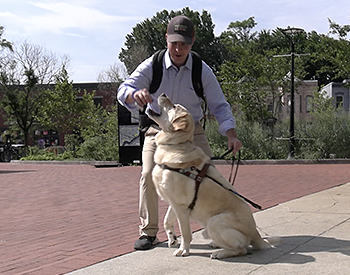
(179, 52)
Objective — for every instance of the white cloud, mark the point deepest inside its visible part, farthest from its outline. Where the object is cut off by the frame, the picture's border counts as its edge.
(59, 17)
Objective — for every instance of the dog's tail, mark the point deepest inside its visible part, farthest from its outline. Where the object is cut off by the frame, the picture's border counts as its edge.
(267, 243)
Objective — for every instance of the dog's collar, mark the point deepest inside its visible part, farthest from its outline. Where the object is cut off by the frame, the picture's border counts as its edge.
(189, 173)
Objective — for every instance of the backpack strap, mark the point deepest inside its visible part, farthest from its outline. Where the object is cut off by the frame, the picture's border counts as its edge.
(197, 74)
(157, 65)
(197, 82)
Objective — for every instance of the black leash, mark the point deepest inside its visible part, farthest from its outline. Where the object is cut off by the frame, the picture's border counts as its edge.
(255, 205)
(234, 178)
(233, 164)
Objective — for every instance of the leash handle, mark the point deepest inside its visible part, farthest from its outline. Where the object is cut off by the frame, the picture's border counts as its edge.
(233, 163)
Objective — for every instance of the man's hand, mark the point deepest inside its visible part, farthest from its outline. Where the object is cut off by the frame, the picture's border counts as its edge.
(141, 97)
(233, 142)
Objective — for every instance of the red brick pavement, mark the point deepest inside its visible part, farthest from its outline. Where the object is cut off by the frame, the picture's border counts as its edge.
(59, 218)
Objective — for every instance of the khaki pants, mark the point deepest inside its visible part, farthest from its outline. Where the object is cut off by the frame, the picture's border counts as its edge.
(148, 206)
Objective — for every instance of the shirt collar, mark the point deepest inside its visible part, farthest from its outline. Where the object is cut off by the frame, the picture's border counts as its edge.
(169, 64)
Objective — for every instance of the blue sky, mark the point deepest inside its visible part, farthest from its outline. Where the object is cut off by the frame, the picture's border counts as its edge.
(92, 32)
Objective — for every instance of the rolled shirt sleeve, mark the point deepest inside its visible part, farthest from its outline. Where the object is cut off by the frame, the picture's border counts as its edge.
(139, 79)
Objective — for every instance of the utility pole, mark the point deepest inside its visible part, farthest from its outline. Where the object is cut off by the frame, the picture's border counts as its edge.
(291, 33)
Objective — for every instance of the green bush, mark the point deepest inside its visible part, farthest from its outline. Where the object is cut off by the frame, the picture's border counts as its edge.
(326, 135)
(331, 133)
(257, 142)
(41, 155)
(99, 148)
(98, 141)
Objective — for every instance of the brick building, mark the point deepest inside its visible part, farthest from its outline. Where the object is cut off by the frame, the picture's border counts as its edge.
(279, 105)
(303, 94)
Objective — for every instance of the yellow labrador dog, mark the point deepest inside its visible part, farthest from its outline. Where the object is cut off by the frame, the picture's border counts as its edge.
(227, 219)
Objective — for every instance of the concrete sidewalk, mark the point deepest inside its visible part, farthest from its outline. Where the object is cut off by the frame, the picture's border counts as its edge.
(315, 232)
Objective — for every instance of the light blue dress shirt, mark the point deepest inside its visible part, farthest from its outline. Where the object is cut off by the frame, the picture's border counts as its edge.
(177, 85)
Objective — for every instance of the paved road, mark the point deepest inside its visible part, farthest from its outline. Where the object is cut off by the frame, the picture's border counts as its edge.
(59, 218)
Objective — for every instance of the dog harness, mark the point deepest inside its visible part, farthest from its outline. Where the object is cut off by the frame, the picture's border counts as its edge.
(198, 179)
(189, 173)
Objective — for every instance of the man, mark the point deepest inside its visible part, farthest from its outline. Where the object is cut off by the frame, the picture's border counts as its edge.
(177, 85)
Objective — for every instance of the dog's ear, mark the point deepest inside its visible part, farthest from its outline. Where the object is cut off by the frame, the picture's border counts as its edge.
(181, 123)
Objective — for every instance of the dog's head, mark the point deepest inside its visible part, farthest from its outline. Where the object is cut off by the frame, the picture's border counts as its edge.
(177, 135)
(174, 119)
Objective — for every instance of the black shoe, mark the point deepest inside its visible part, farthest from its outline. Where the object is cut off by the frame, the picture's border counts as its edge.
(145, 242)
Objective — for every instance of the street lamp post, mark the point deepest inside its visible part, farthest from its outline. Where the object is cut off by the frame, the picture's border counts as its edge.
(290, 33)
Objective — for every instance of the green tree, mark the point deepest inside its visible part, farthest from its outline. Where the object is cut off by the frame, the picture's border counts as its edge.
(91, 131)
(335, 28)
(21, 103)
(341, 49)
(252, 75)
(149, 36)
(4, 45)
(100, 138)
(3, 42)
(61, 111)
(23, 77)
(320, 65)
(329, 59)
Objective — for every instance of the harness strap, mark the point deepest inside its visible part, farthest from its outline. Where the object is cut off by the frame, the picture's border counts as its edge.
(198, 180)
(188, 172)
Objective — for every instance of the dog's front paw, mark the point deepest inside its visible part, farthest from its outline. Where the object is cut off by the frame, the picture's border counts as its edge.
(181, 252)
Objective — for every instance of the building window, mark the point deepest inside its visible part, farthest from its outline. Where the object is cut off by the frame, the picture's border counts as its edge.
(308, 103)
(339, 101)
(98, 101)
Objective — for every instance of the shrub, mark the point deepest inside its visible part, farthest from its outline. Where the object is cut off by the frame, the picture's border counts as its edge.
(41, 155)
(326, 135)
